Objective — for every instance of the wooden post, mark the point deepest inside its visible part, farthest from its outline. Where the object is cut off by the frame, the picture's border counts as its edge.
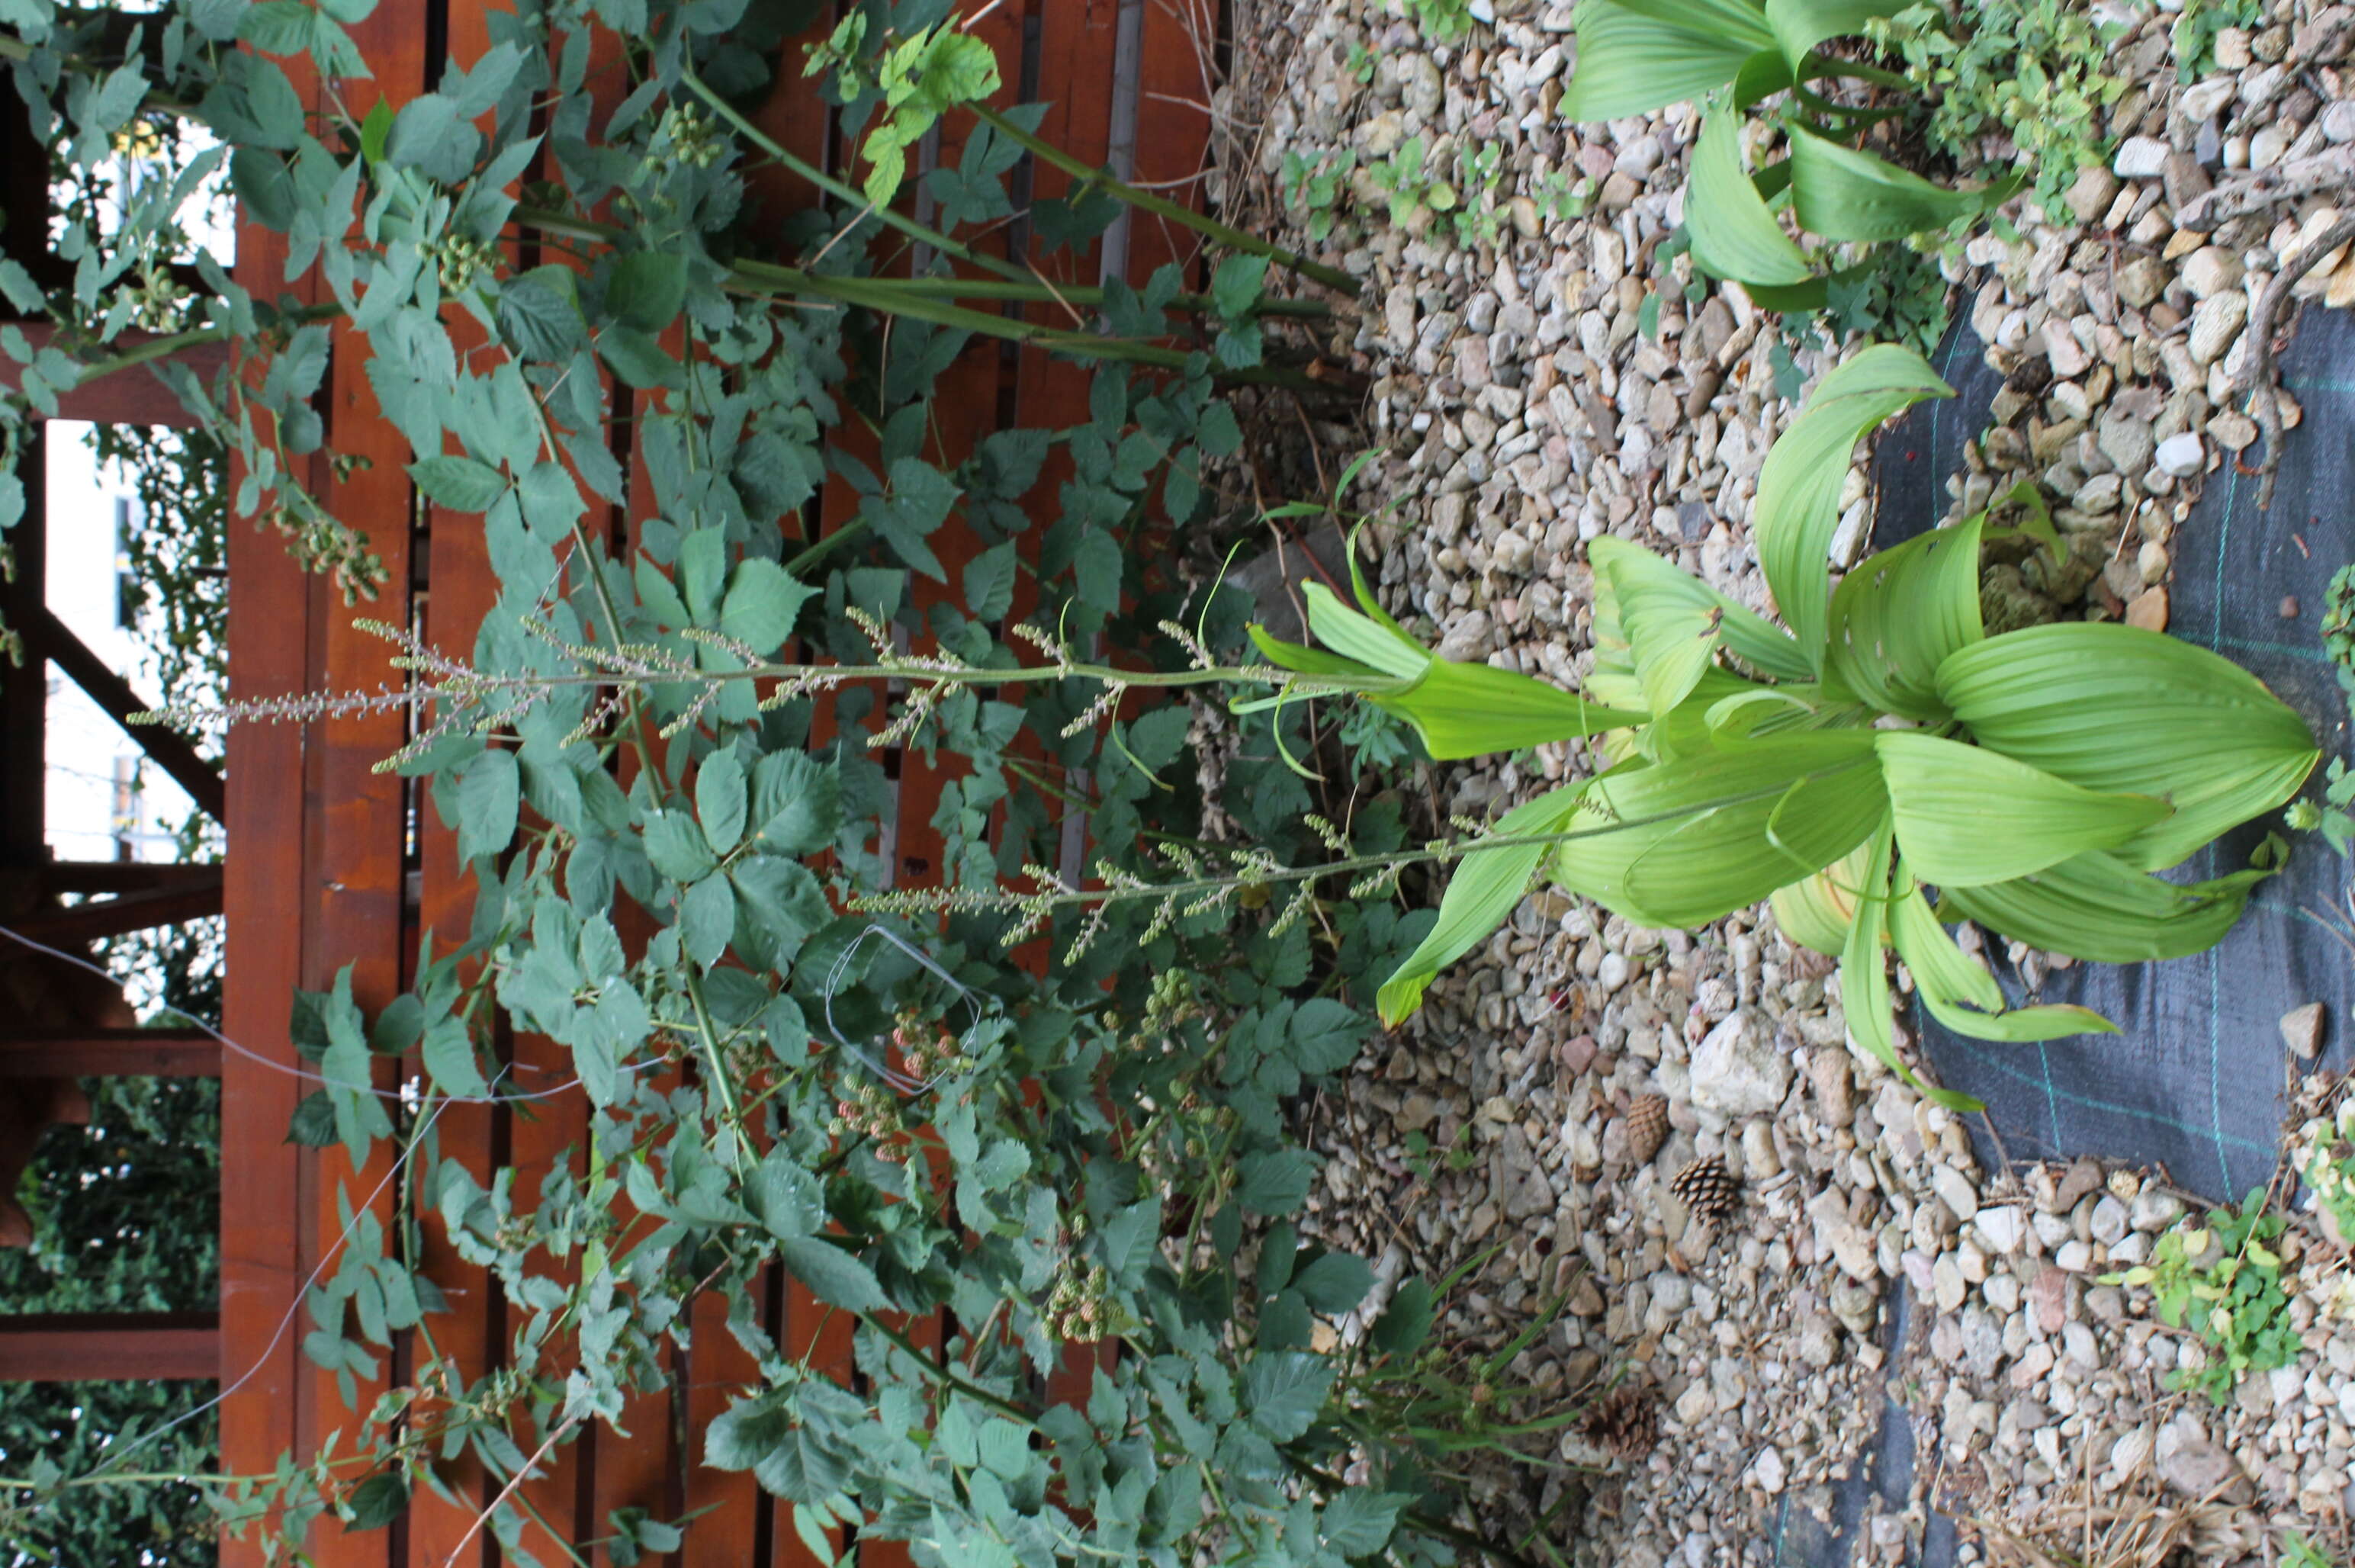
(126, 1347)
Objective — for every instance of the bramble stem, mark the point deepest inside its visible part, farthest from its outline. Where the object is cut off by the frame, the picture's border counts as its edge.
(1162, 207)
(922, 233)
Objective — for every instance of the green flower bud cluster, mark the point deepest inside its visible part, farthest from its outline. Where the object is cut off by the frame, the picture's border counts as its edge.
(459, 259)
(688, 134)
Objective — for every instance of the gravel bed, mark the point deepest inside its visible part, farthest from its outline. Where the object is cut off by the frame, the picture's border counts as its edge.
(1523, 413)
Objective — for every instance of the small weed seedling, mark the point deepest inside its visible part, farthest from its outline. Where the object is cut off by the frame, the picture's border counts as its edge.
(1441, 21)
(2222, 1280)
(1317, 186)
(1560, 198)
(1459, 194)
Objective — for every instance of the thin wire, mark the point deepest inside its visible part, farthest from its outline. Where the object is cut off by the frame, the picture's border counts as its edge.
(898, 1080)
(276, 1066)
(365, 1210)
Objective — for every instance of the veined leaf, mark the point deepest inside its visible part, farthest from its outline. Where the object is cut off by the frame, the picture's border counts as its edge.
(1684, 841)
(1864, 976)
(1797, 509)
(1958, 988)
(1841, 193)
(1710, 718)
(2119, 709)
(1471, 709)
(2098, 907)
(1460, 709)
(1817, 910)
(1658, 611)
(1486, 887)
(1733, 234)
(1613, 678)
(1305, 660)
(1899, 613)
(1800, 25)
(1361, 636)
(1967, 816)
(1671, 632)
(1633, 61)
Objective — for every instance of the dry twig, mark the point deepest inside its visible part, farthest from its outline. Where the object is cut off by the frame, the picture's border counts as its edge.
(2259, 380)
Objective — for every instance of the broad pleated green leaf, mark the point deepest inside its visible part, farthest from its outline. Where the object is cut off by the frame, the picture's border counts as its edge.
(1305, 660)
(1799, 486)
(1800, 25)
(1733, 234)
(1482, 892)
(1864, 976)
(1966, 817)
(1841, 193)
(1639, 580)
(2099, 908)
(1633, 61)
(1670, 631)
(1471, 709)
(1460, 709)
(1896, 617)
(1359, 636)
(1689, 838)
(1958, 988)
(1817, 910)
(2116, 708)
(1763, 75)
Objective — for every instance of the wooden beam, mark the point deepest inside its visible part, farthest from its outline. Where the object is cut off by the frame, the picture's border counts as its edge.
(164, 746)
(123, 1346)
(113, 917)
(126, 875)
(136, 396)
(24, 685)
(110, 1054)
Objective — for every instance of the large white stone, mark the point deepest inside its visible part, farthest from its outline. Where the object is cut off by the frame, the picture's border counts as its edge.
(1736, 1072)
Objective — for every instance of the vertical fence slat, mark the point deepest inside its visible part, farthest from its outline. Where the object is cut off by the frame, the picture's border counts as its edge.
(357, 887)
(265, 1241)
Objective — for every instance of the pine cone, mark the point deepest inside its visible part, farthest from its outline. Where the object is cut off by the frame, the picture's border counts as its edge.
(1707, 1188)
(1626, 1424)
(1647, 1127)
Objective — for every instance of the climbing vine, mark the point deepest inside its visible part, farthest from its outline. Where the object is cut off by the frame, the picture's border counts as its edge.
(660, 758)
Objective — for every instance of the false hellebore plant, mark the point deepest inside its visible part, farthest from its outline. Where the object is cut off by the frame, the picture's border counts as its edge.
(1876, 746)
(1634, 59)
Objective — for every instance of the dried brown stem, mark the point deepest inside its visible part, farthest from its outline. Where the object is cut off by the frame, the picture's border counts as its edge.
(2259, 380)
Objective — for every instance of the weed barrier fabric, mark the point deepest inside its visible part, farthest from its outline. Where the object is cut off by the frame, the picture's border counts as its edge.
(2196, 1081)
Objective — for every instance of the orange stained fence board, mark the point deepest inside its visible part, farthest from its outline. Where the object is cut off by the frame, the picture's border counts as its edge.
(1173, 127)
(266, 1240)
(354, 815)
